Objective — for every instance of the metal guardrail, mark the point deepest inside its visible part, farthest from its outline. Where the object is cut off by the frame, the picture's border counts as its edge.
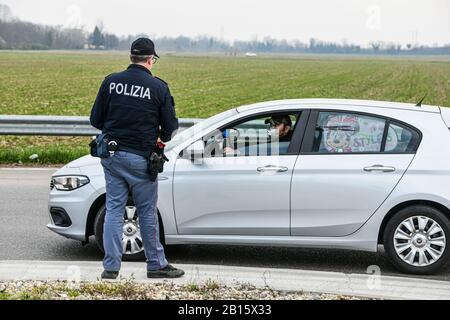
(57, 125)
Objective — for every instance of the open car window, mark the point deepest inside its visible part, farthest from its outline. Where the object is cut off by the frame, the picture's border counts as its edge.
(263, 135)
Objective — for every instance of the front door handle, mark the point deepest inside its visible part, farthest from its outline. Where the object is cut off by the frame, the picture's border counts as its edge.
(379, 168)
(273, 169)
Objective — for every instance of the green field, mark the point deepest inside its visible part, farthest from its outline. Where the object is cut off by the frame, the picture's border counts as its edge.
(65, 83)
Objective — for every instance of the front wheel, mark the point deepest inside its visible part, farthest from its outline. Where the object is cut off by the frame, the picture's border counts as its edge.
(416, 240)
(133, 246)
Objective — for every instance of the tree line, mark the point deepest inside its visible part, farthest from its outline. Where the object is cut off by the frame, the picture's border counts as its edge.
(20, 35)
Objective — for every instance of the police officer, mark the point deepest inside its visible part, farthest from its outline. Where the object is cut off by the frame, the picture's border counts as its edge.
(135, 109)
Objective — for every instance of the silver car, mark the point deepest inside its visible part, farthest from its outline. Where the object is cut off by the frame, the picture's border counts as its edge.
(350, 175)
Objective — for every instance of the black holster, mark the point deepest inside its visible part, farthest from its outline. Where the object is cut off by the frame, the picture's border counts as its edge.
(156, 163)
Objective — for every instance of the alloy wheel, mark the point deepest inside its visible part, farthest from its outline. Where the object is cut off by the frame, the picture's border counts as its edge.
(131, 239)
(419, 241)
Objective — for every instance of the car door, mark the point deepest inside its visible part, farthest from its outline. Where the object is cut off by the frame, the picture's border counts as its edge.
(243, 193)
(348, 166)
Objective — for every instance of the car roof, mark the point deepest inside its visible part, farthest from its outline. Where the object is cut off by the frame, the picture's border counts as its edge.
(320, 103)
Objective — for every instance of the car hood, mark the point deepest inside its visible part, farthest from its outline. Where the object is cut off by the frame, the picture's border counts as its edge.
(84, 162)
(89, 161)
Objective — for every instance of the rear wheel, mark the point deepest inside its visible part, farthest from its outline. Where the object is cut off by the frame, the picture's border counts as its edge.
(416, 240)
(133, 246)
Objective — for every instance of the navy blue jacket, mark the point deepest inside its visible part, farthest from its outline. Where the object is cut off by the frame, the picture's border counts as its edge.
(134, 109)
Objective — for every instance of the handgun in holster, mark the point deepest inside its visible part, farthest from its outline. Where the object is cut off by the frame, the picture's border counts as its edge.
(156, 161)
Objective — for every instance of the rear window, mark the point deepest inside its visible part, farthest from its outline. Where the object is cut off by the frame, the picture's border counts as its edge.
(401, 139)
(348, 132)
(339, 132)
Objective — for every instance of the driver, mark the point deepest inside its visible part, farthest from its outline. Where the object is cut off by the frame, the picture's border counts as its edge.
(282, 124)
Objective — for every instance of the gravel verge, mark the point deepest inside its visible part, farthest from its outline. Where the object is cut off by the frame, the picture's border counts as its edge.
(132, 290)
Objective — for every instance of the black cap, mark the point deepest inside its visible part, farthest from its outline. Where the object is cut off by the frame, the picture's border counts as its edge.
(143, 47)
(276, 120)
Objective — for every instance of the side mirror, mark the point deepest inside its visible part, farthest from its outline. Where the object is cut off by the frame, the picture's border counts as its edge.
(196, 151)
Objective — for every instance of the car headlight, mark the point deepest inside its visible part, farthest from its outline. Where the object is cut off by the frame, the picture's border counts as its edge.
(68, 183)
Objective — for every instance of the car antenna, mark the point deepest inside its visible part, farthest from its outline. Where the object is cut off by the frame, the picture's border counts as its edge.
(420, 102)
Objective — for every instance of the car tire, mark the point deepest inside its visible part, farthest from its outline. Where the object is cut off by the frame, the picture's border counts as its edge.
(403, 245)
(98, 232)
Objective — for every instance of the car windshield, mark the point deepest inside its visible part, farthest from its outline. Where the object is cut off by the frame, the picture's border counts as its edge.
(186, 134)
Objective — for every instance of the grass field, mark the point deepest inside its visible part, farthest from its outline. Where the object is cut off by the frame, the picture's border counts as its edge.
(65, 83)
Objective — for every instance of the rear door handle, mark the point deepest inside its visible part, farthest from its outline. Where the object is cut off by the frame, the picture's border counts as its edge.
(271, 168)
(379, 168)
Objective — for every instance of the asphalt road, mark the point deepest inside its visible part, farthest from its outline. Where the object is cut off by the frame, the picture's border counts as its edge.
(23, 236)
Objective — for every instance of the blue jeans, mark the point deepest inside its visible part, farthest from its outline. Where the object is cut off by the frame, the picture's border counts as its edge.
(126, 172)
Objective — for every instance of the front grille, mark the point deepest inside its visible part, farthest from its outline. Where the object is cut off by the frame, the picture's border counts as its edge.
(60, 217)
(52, 184)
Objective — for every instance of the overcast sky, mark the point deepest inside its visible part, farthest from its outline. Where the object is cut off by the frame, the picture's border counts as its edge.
(356, 21)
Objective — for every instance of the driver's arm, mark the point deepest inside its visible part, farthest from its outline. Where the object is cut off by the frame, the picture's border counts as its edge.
(227, 146)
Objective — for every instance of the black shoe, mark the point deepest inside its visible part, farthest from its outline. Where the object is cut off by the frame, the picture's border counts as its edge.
(112, 275)
(167, 272)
